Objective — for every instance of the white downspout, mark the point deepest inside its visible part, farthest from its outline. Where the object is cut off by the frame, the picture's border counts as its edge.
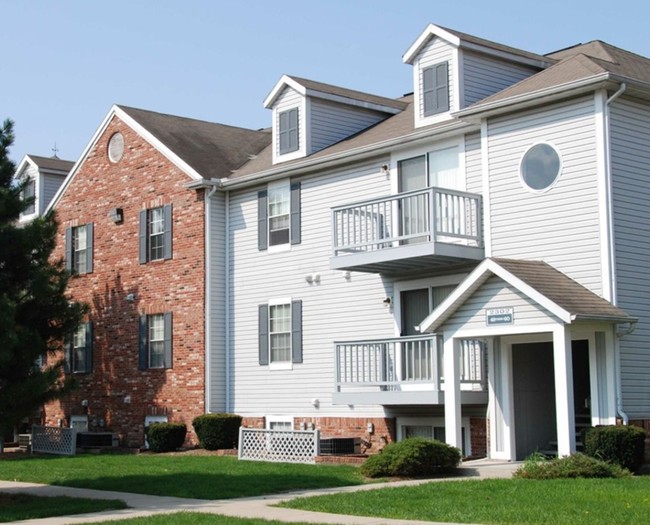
(208, 294)
(227, 300)
(612, 258)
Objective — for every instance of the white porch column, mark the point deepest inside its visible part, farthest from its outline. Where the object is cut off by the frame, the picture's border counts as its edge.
(565, 416)
(500, 406)
(453, 434)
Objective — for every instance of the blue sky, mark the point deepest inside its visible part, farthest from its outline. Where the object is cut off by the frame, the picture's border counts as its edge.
(66, 62)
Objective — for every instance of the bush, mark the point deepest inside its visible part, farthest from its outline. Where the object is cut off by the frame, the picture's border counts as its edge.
(575, 466)
(165, 437)
(217, 431)
(621, 445)
(413, 457)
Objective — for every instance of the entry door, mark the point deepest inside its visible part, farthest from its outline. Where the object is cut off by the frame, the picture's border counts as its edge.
(534, 397)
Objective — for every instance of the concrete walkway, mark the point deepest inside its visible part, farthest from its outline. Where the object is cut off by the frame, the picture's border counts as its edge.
(257, 507)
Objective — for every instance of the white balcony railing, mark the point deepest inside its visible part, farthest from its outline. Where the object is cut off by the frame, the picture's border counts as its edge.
(396, 363)
(428, 215)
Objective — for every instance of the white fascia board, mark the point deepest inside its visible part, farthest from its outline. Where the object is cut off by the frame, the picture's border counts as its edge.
(353, 102)
(24, 163)
(285, 80)
(166, 152)
(429, 32)
(82, 158)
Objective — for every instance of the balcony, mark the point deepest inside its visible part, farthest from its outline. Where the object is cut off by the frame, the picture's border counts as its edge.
(405, 371)
(412, 230)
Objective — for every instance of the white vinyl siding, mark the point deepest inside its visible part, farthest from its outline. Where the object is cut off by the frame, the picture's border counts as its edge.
(558, 224)
(484, 76)
(630, 146)
(435, 52)
(495, 293)
(473, 165)
(334, 307)
(331, 122)
(216, 374)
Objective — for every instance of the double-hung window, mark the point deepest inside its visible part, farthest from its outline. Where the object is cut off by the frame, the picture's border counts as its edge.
(79, 249)
(79, 350)
(155, 341)
(288, 135)
(155, 234)
(29, 193)
(280, 333)
(435, 89)
(278, 209)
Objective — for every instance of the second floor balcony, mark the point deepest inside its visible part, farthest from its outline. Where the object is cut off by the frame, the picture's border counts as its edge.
(405, 371)
(411, 230)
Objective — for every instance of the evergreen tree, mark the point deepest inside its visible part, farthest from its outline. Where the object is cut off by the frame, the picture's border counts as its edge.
(36, 315)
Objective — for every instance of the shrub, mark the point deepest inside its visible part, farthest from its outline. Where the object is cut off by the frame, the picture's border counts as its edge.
(217, 431)
(413, 457)
(165, 437)
(622, 445)
(575, 466)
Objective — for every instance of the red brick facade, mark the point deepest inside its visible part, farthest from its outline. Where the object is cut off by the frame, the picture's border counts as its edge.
(118, 394)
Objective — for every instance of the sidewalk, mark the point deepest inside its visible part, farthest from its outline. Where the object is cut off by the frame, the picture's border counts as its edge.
(257, 507)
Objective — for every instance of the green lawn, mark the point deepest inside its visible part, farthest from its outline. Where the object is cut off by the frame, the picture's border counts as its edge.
(202, 477)
(527, 502)
(14, 507)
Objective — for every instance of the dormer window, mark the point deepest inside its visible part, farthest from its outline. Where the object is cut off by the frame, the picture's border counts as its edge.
(29, 193)
(288, 131)
(435, 89)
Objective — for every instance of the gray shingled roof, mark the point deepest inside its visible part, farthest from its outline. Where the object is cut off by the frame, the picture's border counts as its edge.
(51, 163)
(562, 290)
(212, 150)
(349, 93)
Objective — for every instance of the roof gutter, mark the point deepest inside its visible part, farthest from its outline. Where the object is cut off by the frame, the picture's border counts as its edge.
(360, 153)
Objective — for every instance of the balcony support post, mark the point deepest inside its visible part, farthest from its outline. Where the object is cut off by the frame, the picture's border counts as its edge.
(453, 434)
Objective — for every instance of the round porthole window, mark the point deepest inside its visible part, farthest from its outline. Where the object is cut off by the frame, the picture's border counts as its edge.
(116, 147)
(540, 167)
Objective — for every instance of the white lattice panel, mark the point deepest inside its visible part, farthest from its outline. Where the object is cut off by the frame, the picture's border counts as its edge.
(287, 446)
(54, 440)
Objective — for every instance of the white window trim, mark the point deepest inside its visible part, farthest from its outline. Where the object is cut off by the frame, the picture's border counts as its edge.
(454, 71)
(302, 132)
(37, 198)
(434, 422)
(282, 365)
(278, 419)
(560, 170)
(276, 248)
(458, 142)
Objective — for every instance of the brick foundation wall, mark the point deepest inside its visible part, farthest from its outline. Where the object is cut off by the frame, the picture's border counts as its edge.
(383, 429)
(478, 436)
(644, 424)
(119, 395)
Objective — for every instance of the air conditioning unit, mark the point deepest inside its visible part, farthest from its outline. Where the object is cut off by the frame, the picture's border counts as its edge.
(97, 440)
(340, 446)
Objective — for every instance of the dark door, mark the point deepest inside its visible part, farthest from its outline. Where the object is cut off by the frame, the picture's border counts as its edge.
(534, 398)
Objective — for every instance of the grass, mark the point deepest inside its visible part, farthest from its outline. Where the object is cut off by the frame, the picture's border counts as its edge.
(14, 507)
(505, 502)
(201, 477)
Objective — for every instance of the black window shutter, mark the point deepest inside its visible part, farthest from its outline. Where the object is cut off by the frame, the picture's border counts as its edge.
(442, 87)
(296, 331)
(283, 132)
(68, 249)
(295, 213)
(168, 340)
(89, 247)
(167, 223)
(263, 332)
(262, 219)
(428, 98)
(143, 354)
(293, 130)
(142, 237)
(88, 350)
(67, 354)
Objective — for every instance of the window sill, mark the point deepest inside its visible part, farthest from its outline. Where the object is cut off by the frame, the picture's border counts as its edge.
(281, 366)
